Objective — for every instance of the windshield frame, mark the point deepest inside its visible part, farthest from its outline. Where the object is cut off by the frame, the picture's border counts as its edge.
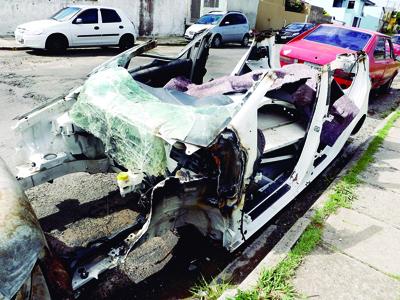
(343, 29)
(68, 16)
(217, 19)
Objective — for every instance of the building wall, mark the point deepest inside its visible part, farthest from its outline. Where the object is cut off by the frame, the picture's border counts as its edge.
(272, 15)
(248, 7)
(373, 18)
(158, 17)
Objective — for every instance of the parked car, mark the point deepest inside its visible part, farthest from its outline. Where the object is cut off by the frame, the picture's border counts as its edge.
(79, 26)
(396, 44)
(322, 44)
(292, 30)
(224, 156)
(226, 27)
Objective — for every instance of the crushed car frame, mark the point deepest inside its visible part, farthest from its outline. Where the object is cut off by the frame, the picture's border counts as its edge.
(224, 156)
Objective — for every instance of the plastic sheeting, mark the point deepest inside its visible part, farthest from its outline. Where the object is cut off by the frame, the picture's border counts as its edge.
(134, 124)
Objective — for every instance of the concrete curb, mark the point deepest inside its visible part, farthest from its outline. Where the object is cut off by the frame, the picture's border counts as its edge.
(14, 48)
(280, 251)
(159, 42)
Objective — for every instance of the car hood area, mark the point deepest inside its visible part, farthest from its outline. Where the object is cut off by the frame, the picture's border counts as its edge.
(38, 25)
(312, 52)
(196, 28)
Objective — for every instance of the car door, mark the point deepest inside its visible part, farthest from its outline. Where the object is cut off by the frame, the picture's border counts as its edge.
(226, 28)
(111, 25)
(378, 62)
(86, 29)
(391, 63)
(242, 27)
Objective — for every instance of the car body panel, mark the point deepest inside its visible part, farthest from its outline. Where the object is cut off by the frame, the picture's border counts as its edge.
(96, 34)
(228, 31)
(228, 186)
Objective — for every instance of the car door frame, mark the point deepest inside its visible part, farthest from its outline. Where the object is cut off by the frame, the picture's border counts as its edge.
(391, 67)
(225, 29)
(110, 35)
(378, 66)
(86, 34)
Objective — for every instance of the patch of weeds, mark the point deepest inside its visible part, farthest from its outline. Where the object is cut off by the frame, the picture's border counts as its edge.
(275, 284)
(394, 276)
(204, 290)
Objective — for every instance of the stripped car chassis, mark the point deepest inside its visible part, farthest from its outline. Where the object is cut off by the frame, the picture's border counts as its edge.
(229, 188)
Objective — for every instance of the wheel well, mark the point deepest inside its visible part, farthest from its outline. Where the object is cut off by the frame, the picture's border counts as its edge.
(127, 35)
(57, 35)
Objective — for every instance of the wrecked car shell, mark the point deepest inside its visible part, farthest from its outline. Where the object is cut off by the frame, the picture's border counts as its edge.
(226, 173)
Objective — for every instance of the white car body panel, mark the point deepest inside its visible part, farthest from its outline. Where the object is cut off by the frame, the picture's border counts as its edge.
(78, 35)
(235, 219)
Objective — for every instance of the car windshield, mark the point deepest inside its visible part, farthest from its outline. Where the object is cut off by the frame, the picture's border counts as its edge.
(65, 14)
(294, 27)
(209, 19)
(396, 39)
(339, 37)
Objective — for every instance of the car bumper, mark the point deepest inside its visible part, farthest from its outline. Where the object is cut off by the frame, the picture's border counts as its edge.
(36, 41)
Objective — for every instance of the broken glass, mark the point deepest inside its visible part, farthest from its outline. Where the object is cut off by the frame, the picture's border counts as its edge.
(134, 121)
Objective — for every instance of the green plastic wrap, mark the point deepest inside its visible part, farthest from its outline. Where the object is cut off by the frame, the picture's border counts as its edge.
(134, 124)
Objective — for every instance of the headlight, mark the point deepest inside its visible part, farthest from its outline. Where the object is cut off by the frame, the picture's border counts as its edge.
(35, 31)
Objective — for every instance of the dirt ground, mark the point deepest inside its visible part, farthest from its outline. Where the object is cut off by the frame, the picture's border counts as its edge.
(29, 79)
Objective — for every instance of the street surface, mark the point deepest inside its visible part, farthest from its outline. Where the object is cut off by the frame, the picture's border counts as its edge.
(29, 79)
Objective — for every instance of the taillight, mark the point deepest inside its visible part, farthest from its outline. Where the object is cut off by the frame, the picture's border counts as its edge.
(339, 73)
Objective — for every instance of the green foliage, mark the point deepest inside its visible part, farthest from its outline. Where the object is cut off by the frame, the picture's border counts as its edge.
(295, 5)
(203, 290)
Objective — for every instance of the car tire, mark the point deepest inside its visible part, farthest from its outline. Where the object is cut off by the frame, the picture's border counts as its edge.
(57, 43)
(216, 41)
(385, 89)
(126, 42)
(245, 40)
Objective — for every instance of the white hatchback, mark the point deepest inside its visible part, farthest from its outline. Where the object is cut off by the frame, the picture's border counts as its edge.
(79, 26)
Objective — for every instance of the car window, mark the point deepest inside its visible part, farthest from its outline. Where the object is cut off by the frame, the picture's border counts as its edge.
(229, 18)
(209, 19)
(240, 19)
(65, 13)
(109, 16)
(379, 52)
(396, 39)
(294, 27)
(388, 49)
(89, 16)
(339, 37)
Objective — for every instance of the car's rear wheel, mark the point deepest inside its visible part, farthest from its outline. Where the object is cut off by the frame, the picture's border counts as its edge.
(57, 43)
(245, 41)
(217, 41)
(385, 89)
(126, 42)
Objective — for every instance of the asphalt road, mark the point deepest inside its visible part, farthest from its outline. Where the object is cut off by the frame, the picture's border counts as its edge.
(29, 79)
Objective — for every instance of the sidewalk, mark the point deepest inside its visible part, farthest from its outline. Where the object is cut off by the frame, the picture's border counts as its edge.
(359, 256)
(9, 43)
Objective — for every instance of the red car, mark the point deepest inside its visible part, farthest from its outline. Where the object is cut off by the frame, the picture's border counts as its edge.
(396, 44)
(322, 44)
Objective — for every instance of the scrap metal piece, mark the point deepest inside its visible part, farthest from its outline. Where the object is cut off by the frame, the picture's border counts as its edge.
(21, 238)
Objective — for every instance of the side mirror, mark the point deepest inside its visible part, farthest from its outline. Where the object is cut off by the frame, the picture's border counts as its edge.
(78, 21)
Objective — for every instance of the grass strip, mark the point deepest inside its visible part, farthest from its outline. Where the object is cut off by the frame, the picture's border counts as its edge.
(275, 284)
